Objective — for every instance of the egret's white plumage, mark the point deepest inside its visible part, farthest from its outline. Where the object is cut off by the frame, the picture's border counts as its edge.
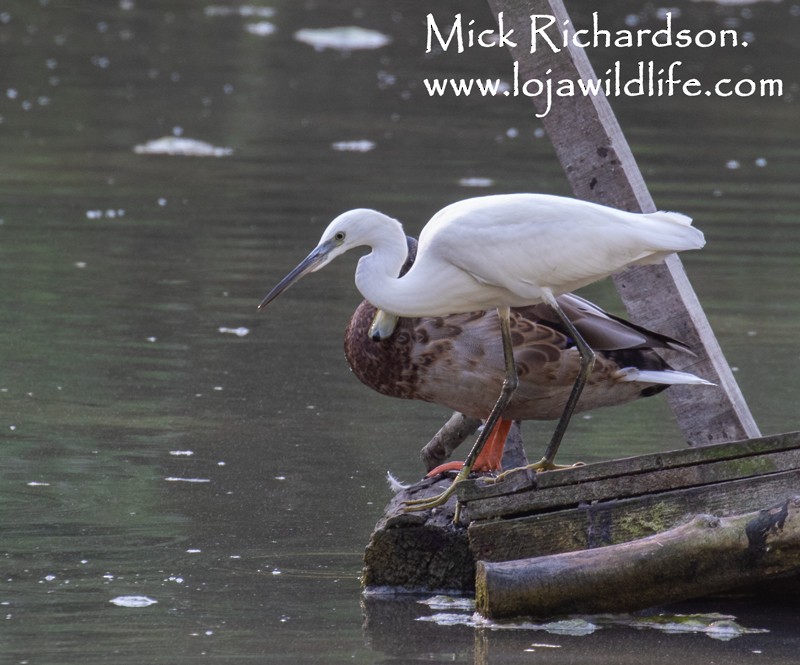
(499, 252)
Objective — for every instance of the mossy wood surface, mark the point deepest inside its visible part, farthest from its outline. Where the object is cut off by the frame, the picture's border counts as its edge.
(523, 493)
(618, 521)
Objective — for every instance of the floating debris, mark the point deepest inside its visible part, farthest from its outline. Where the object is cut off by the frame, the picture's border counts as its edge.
(476, 182)
(108, 214)
(716, 626)
(451, 619)
(261, 29)
(177, 145)
(542, 645)
(575, 627)
(449, 603)
(246, 11)
(175, 479)
(343, 38)
(132, 601)
(736, 3)
(354, 146)
(241, 331)
(179, 453)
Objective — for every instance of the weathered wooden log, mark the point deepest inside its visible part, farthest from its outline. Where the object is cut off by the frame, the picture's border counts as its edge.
(708, 555)
(600, 504)
(419, 551)
(451, 435)
(600, 167)
(425, 551)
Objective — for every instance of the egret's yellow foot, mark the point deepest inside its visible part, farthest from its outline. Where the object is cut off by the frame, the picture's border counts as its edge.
(439, 499)
(488, 460)
(542, 465)
(431, 501)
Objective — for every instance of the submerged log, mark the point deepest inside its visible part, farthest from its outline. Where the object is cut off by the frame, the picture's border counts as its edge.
(705, 556)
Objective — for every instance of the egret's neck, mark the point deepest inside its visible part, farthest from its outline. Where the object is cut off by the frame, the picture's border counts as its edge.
(377, 272)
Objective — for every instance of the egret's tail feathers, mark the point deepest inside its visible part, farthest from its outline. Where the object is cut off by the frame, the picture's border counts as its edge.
(674, 217)
(667, 377)
(684, 235)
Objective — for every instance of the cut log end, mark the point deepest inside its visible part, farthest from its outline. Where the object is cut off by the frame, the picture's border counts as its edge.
(420, 551)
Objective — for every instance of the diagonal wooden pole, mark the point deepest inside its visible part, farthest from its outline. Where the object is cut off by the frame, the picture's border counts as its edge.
(600, 167)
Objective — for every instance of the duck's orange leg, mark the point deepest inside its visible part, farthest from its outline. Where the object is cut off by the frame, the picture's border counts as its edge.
(490, 457)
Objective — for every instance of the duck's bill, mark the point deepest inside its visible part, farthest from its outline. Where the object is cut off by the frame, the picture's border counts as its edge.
(383, 325)
(318, 258)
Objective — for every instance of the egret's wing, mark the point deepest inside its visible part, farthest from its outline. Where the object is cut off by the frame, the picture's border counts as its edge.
(523, 242)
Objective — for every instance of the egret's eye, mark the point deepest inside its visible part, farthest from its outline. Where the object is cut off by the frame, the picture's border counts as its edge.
(339, 236)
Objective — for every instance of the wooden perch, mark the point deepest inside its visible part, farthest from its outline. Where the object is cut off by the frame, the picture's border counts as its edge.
(613, 535)
(705, 556)
(603, 522)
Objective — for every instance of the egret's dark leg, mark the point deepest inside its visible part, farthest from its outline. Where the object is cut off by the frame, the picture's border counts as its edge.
(547, 463)
(509, 386)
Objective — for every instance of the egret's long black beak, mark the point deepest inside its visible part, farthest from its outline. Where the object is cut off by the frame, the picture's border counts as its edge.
(317, 259)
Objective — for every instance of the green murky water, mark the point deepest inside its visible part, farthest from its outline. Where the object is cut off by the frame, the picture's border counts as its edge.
(160, 439)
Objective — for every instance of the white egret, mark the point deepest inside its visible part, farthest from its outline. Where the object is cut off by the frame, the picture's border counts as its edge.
(498, 252)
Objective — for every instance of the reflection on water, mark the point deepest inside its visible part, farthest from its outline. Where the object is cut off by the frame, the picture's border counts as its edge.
(163, 440)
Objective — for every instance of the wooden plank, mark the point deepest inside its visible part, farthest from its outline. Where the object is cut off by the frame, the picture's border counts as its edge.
(672, 459)
(600, 167)
(634, 485)
(424, 551)
(475, 490)
(618, 521)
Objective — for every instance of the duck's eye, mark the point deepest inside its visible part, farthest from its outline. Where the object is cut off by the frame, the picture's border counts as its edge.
(339, 236)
